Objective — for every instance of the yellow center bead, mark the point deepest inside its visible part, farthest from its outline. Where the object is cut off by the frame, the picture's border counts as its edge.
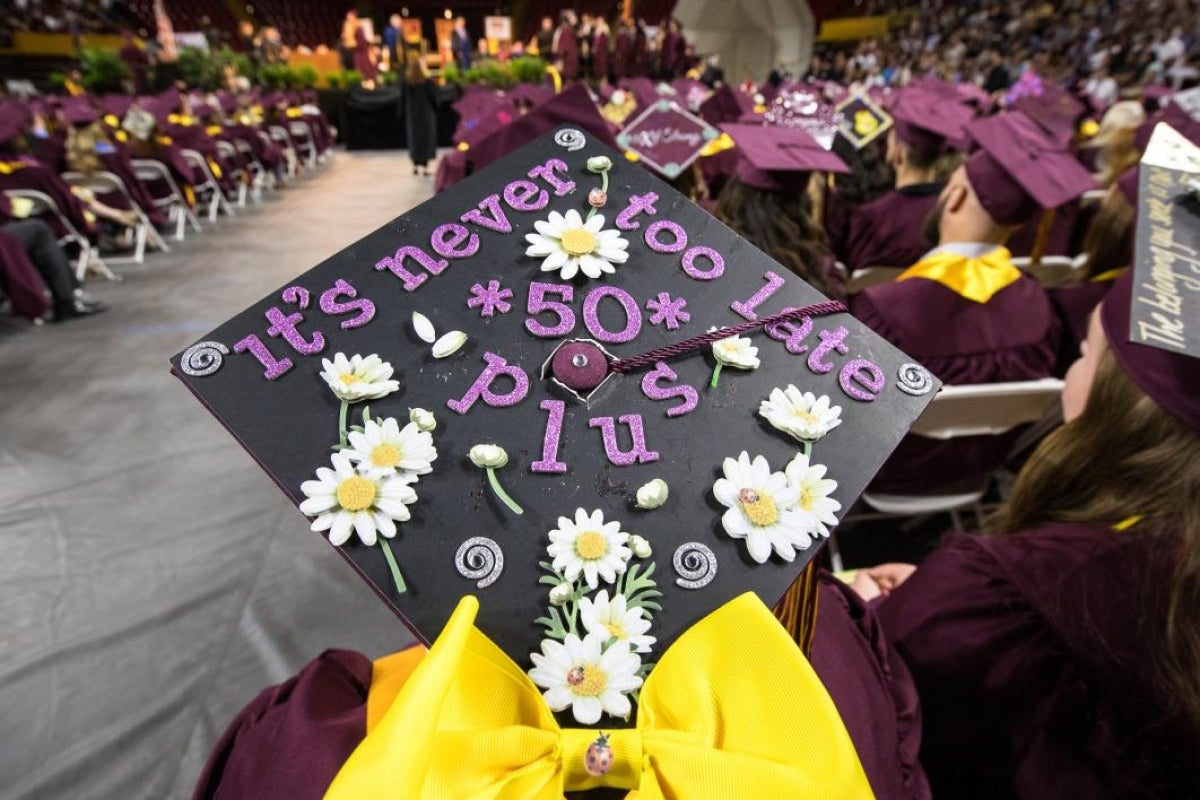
(579, 241)
(386, 455)
(349, 379)
(590, 545)
(356, 494)
(758, 507)
(617, 631)
(806, 499)
(593, 682)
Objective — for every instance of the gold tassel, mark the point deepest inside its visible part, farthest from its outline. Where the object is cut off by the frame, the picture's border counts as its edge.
(797, 609)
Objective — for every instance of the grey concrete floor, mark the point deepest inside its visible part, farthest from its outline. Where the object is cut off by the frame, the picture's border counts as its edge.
(153, 580)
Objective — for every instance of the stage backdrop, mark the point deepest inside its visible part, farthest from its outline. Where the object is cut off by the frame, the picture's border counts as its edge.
(751, 35)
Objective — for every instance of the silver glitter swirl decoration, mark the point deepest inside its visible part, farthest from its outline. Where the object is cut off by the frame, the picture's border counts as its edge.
(914, 379)
(203, 358)
(479, 559)
(696, 565)
(571, 139)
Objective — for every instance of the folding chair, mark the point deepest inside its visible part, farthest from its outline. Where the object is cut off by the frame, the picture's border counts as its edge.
(109, 183)
(177, 208)
(305, 144)
(229, 153)
(986, 409)
(208, 187)
(278, 134)
(869, 276)
(1053, 271)
(44, 205)
(260, 178)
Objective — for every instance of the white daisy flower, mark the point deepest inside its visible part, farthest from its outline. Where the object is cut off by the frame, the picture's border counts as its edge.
(344, 500)
(589, 546)
(358, 377)
(736, 351)
(581, 674)
(762, 509)
(614, 620)
(388, 449)
(569, 244)
(814, 504)
(803, 415)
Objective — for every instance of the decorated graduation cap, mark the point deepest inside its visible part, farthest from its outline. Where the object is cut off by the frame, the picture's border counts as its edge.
(1019, 168)
(666, 138)
(1151, 316)
(606, 418)
(780, 159)
(862, 120)
(931, 123)
(799, 107)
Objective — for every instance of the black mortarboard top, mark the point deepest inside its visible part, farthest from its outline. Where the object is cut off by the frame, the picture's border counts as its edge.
(499, 266)
(1151, 316)
(862, 120)
(1019, 168)
(780, 159)
(931, 123)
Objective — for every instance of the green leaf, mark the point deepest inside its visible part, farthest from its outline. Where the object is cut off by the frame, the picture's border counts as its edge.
(553, 625)
(640, 589)
(549, 580)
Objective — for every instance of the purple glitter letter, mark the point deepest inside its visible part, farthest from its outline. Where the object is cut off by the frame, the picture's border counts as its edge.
(550, 463)
(830, 340)
(445, 241)
(525, 196)
(676, 230)
(256, 348)
(633, 315)
(637, 204)
(546, 172)
(608, 429)
(650, 388)
(330, 305)
(285, 326)
(496, 219)
(746, 309)
(297, 296)
(411, 281)
(712, 273)
(792, 335)
(866, 374)
(496, 367)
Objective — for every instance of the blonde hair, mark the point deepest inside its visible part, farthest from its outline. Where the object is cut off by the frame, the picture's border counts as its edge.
(81, 148)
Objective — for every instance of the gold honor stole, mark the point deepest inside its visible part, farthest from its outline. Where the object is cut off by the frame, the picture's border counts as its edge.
(733, 709)
(976, 278)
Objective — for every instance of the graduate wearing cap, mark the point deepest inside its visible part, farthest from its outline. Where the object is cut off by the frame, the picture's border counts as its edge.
(548, 590)
(768, 202)
(1057, 657)
(964, 311)
(890, 231)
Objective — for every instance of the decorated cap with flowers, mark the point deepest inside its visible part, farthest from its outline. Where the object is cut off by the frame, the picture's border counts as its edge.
(511, 392)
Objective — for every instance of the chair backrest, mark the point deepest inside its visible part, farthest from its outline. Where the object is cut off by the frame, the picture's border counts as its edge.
(869, 276)
(299, 127)
(43, 203)
(147, 169)
(99, 182)
(200, 165)
(280, 135)
(226, 149)
(988, 408)
(243, 146)
(1054, 271)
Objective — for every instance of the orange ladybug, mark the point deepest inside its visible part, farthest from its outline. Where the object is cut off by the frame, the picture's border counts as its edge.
(598, 759)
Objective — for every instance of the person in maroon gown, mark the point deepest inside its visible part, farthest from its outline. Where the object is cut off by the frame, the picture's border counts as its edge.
(964, 311)
(34, 271)
(890, 231)
(623, 51)
(670, 52)
(566, 46)
(600, 36)
(1057, 657)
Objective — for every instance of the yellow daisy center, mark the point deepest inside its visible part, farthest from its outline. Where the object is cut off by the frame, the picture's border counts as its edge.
(617, 631)
(578, 241)
(386, 455)
(349, 378)
(356, 493)
(758, 507)
(591, 545)
(806, 499)
(807, 417)
(587, 680)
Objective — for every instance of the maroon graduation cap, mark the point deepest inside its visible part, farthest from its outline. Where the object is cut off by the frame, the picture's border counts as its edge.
(666, 138)
(780, 159)
(931, 122)
(1056, 110)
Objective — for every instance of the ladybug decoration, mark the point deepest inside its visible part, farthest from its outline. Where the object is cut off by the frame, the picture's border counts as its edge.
(598, 760)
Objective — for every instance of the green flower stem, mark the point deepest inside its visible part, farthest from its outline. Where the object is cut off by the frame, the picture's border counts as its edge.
(806, 447)
(503, 495)
(716, 375)
(342, 422)
(603, 188)
(397, 578)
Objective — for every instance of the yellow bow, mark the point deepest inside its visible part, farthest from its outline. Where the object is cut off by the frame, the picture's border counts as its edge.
(973, 278)
(733, 709)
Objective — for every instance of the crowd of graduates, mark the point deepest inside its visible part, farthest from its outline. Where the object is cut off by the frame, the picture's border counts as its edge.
(85, 178)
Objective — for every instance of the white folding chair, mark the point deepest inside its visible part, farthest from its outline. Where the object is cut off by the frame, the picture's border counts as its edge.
(869, 276)
(44, 205)
(207, 188)
(305, 143)
(178, 211)
(260, 178)
(229, 153)
(280, 136)
(985, 409)
(1053, 271)
(104, 182)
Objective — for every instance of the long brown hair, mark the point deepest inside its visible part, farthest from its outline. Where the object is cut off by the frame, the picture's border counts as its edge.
(1108, 243)
(1125, 456)
(780, 225)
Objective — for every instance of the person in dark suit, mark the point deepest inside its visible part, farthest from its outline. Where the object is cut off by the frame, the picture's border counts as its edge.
(460, 44)
(420, 115)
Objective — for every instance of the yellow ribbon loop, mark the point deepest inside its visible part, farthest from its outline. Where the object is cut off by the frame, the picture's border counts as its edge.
(732, 709)
(973, 278)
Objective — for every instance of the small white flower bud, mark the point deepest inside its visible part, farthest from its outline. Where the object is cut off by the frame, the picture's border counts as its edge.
(599, 164)
(560, 594)
(640, 547)
(652, 495)
(488, 455)
(423, 419)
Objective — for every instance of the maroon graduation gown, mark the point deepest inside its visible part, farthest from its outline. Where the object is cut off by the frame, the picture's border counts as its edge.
(1032, 659)
(889, 231)
(1074, 305)
(291, 740)
(600, 56)
(1012, 337)
(623, 55)
(19, 279)
(41, 178)
(568, 53)
(362, 55)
